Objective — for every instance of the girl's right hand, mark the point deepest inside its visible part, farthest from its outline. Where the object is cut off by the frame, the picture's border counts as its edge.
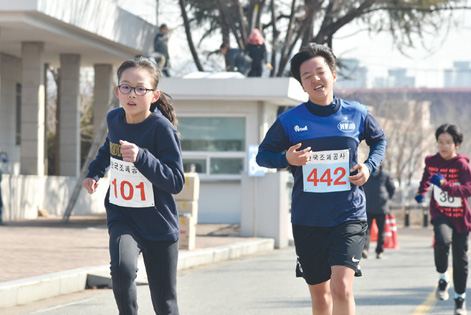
(90, 185)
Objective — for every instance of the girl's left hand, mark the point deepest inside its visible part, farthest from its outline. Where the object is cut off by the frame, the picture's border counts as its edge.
(129, 151)
(361, 177)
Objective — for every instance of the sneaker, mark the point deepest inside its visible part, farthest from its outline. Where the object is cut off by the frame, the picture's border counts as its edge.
(379, 255)
(442, 290)
(460, 306)
(364, 254)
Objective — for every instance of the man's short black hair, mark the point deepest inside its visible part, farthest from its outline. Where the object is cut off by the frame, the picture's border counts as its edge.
(308, 52)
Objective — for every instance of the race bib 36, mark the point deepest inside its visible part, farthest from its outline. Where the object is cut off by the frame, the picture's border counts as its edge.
(445, 200)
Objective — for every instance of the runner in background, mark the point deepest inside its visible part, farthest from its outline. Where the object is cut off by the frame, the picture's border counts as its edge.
(3, 159)
(318, 141)
(450, 174)
(379, 189)
(1, 200)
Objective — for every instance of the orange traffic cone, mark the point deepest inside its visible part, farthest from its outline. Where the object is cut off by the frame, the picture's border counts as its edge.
(390, 234)
(373, 231)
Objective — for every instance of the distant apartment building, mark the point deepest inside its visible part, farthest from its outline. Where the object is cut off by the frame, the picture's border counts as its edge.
(459, 75)
(351, 75)
(397, 78)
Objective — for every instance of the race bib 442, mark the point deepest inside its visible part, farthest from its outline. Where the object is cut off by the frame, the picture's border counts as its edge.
(327, 171)
(128, 187)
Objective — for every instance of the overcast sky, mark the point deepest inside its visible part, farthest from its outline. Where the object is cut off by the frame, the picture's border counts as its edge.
(376, 52)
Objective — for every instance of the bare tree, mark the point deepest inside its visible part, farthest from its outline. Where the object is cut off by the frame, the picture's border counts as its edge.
(410, 138)
(297, 22)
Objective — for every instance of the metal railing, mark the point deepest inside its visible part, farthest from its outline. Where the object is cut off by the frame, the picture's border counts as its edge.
(423, 208)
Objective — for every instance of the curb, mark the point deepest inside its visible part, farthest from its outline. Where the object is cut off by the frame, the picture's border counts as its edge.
(28, 290)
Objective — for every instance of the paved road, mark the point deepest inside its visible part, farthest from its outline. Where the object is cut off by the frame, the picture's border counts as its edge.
(401, 283)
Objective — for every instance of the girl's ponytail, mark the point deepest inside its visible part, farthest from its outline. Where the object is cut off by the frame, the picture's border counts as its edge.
(165, 108)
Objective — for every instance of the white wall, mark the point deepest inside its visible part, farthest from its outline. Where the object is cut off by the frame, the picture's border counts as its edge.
(265, 207)
(219, 202)
(24, 195)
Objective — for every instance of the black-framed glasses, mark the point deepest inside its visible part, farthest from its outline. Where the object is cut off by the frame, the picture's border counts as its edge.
(139, 90)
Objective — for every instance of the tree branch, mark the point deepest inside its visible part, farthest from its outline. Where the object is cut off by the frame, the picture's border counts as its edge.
(188, 35)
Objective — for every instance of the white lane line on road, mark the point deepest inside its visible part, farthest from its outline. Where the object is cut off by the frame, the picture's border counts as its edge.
(56, 307)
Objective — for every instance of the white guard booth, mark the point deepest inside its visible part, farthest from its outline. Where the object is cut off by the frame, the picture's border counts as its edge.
(219, 117)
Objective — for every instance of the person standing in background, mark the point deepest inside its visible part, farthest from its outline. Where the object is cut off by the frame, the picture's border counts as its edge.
(379, 189)
(257, 51)
(3, 159)
(161, 48)
(1, 200)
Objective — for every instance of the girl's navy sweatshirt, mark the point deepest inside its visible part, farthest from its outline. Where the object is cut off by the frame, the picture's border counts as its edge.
(159, 164)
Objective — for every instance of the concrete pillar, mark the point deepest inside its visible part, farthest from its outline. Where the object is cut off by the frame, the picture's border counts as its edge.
(10, 110)
(265, 207)
(103, 93)
(69, 121)
(32, 109)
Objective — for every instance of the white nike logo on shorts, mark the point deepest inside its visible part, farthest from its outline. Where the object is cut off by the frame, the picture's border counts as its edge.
(355, 260)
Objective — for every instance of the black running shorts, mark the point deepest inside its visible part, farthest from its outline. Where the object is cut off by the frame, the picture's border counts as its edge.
(319, 248)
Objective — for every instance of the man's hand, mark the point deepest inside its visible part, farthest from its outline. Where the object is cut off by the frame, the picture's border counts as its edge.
(361, 176)
(129, 151)
(298, 158)
(90, 185)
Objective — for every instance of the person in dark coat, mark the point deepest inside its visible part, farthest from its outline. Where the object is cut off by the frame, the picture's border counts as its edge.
(257, 51)
(1, 201)
(379, 189)
(161, 49)
(236, 59)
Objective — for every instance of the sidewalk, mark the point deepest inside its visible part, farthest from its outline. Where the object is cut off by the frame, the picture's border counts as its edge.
(45, 257)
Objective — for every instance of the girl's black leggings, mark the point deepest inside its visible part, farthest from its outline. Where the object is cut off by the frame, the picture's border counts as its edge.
(160, 259)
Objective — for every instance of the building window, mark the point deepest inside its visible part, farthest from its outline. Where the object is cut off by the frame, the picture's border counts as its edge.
(213, 146)
(18, 114)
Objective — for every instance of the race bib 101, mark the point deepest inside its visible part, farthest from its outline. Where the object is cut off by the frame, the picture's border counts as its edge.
(327, 171)
(128, 187)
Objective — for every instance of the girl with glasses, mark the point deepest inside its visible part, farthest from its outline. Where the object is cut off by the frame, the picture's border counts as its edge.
(143, 153)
